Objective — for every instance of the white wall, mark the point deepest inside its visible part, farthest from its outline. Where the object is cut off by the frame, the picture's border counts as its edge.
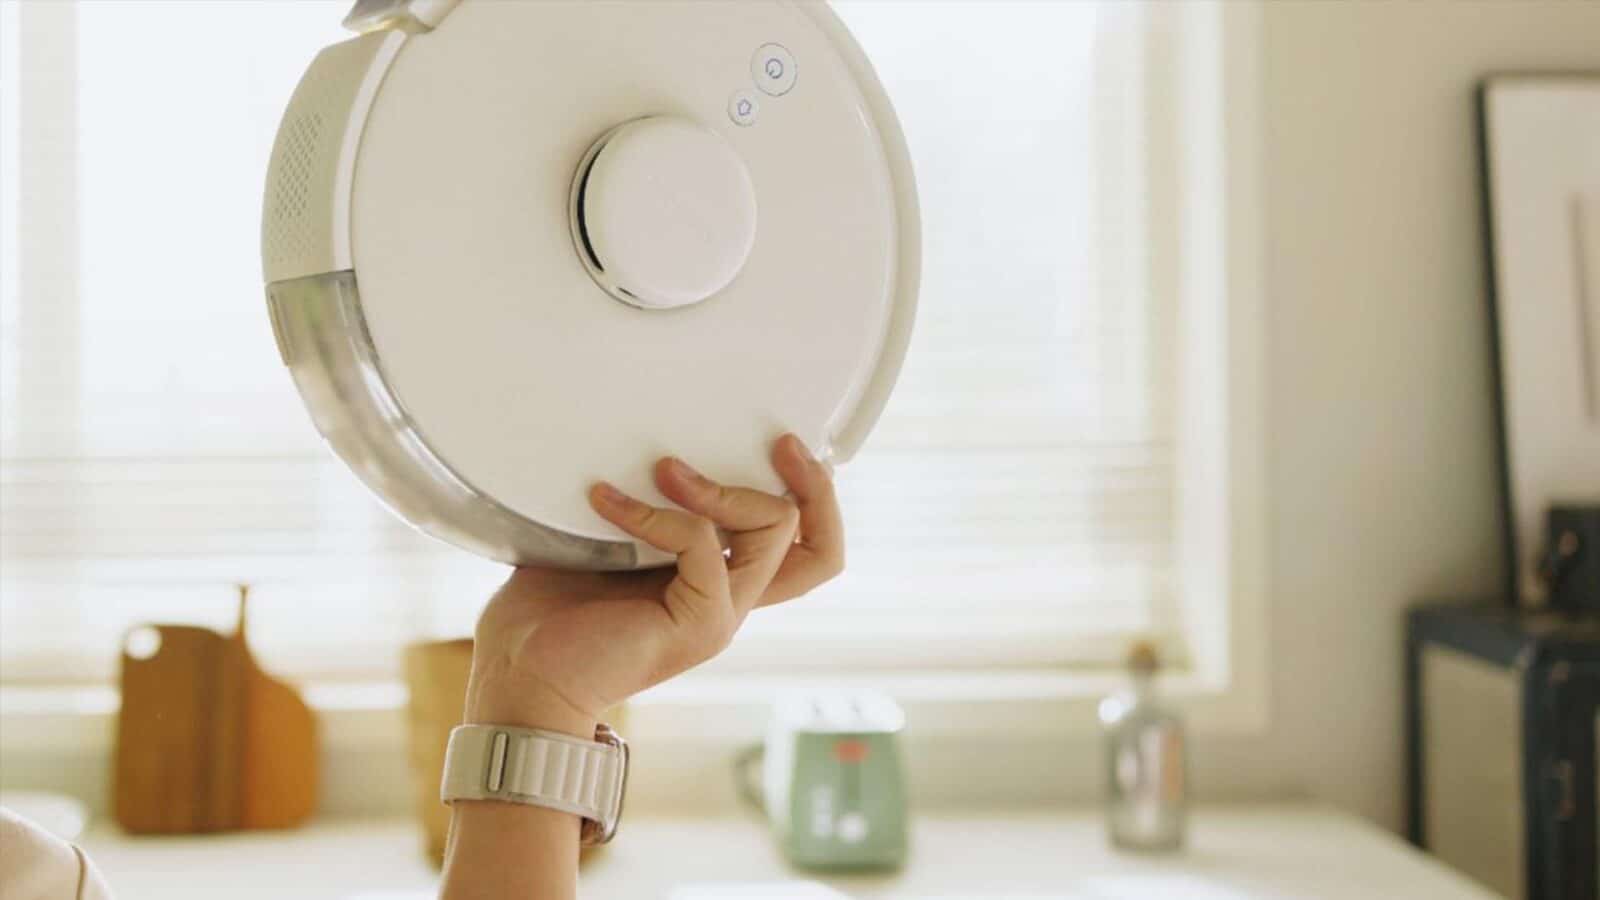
(1381, 484)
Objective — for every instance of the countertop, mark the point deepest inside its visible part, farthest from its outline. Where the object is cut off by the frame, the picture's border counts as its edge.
(1234, 853)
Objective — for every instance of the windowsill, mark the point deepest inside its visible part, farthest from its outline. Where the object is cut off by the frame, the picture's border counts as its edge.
(1023, 704)
(970, 738)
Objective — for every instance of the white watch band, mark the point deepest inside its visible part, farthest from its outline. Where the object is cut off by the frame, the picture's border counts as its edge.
(540, 768)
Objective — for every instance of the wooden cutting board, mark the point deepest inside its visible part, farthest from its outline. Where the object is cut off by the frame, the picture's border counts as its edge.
(207, 741)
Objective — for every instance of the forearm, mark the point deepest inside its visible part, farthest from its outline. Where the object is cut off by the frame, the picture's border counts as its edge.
(500, 851)
(513, 851)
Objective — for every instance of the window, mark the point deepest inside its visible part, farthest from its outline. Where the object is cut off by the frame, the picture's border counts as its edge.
(1022, 503)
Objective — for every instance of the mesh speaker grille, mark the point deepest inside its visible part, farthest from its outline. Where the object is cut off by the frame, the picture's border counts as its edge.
(301, 207)
(287, 236)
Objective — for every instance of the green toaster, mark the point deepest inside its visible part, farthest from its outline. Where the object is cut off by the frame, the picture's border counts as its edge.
(833, 784)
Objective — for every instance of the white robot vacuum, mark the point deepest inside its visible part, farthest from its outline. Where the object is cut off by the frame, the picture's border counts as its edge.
(512, 248)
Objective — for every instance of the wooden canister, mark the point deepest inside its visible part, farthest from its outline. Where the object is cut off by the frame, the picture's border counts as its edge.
(436, 673)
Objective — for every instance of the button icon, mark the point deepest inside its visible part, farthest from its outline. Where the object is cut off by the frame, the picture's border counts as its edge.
(743, 108)
(852, 828)
(773, 69)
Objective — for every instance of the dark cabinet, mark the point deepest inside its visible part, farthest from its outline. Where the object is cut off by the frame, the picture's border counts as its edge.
(1502, 715)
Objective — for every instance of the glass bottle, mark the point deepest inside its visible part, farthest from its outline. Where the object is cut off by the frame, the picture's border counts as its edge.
(1146, 786)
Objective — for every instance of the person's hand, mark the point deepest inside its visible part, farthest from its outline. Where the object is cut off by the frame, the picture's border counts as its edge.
(555, 649)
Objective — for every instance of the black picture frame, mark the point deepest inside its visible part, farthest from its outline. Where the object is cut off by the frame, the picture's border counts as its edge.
(1519, 538)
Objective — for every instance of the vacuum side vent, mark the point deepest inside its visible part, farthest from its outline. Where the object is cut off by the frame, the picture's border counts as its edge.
(306, 203)
(286, 235)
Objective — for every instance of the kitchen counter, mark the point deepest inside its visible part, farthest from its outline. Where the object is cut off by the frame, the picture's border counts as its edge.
(1235, 853)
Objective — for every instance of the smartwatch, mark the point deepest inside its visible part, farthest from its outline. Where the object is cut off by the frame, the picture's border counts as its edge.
(541, 768)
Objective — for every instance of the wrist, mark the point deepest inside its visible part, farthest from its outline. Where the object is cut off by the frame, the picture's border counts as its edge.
(510, 850)
(493, 701)
(507, 819)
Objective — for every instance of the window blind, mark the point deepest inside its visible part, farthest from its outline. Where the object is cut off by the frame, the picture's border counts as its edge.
(1014, 508)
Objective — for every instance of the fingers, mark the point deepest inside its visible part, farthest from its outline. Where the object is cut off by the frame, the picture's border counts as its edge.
(734, 508)
(819, 554)
(698, 597)
(781, 547)
(761, 527)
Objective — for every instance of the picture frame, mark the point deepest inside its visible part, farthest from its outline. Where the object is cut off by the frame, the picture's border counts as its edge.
(1539, 140)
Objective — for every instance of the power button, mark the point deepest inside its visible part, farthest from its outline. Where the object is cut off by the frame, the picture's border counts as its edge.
(773, 69)
(743, 107)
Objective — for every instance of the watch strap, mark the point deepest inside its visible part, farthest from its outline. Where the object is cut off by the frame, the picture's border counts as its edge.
(539, 768)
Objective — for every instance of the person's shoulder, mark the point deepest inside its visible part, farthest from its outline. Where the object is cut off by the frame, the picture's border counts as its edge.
(37, 865)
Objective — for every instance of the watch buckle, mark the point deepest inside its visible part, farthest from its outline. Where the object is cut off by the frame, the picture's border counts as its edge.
(594, 833)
